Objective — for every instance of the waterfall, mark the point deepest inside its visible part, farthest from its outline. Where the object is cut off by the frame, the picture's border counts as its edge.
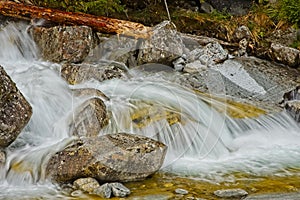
(201, 141)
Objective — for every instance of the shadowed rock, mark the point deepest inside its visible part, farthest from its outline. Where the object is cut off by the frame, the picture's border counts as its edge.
(15, 111)
(116, 157)
(291, 103)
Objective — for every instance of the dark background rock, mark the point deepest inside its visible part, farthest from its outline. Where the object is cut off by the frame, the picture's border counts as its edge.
(234, 7)
(116, 157)
(15, 111)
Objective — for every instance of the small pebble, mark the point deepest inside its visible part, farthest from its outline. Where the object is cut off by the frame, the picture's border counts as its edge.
(76, 193)
(181, 191)
(119, 190)
(231, 193)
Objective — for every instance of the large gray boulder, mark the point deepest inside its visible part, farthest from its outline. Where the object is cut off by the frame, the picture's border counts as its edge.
(64, 43)
(164, 45)
(115, 157)
(15, 111)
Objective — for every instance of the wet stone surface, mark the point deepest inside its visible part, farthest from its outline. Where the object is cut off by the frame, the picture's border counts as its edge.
(114, 157)
(15, 111)
(231, 193)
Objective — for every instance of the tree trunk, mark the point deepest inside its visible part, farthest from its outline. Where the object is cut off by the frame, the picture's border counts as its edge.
(98, 23)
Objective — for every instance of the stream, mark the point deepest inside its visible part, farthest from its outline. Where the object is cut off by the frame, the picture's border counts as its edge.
(202, 143)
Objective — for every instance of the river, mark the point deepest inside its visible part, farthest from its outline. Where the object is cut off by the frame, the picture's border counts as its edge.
(202, 143)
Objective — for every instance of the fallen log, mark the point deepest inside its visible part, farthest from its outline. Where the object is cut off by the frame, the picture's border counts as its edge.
(98, 23)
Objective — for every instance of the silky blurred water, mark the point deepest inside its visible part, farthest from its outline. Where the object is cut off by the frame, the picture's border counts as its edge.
(203, 143)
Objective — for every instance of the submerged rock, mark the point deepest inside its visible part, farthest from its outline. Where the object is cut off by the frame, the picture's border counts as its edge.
(89, 118)
(15, 111)
(78, 73)
(231, 193)
(181, 191)
(64, 43)
(116, 157)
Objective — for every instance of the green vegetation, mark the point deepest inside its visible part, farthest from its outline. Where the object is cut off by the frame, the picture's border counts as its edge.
(96, 7)
(288, 10)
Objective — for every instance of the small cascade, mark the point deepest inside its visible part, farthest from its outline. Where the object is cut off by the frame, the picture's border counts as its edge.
(16, 44)
(202, 131)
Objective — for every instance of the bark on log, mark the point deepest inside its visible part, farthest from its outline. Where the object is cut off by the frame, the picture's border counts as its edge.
(101, 24)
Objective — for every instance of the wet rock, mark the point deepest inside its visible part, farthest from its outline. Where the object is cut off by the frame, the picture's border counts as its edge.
(119, 190)
(231, 193)
(285, 55)
(293, 108)
(292, 95)
(181, 191)
(116, 48)
(89, 118)
(78, 73)
(291, 103)
(89, 92)
(15, 111)
(179, 64)
(116, 157)
(2, 157)
(164, 196)
(103, 191)
(86, 184)
(64, 43)
(164, 45)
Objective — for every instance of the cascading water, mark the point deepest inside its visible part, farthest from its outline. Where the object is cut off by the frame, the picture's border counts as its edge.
(201, 142)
